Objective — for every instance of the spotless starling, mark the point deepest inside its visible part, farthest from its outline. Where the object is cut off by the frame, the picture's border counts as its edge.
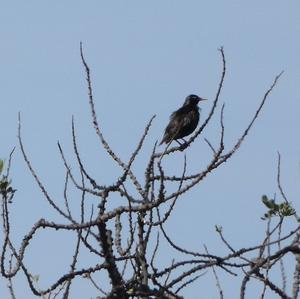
(184, 120)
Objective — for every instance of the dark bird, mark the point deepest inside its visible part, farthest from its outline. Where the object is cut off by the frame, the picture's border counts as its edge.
(184, 120)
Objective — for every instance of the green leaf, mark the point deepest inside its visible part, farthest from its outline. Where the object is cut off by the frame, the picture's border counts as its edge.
(1, 165)
(269, 203)
(35, 278)
(130, 291)
(265, 199)
(286, 209)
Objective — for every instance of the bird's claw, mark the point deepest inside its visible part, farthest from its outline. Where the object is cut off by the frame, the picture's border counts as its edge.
(183, 146)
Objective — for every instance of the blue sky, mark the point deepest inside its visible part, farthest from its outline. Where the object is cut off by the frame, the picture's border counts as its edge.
(145, 57)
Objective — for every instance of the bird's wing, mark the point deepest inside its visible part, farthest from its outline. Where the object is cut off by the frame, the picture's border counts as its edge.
(172, 128)
(188, 124)
(185, 121)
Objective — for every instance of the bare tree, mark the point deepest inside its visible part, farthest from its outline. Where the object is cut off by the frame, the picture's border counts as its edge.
(131, 269)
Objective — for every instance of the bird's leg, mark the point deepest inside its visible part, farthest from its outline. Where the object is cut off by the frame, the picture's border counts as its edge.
(184, 144)
(178, 142)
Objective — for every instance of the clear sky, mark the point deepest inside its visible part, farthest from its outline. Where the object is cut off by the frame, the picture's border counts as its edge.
(145, 57)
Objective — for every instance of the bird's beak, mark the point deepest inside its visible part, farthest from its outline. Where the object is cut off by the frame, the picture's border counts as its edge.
(201, 99)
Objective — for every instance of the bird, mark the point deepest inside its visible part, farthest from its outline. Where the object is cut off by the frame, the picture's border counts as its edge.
(183, 121)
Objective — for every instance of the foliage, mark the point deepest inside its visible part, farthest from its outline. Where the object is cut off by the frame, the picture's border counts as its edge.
(283, 209)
